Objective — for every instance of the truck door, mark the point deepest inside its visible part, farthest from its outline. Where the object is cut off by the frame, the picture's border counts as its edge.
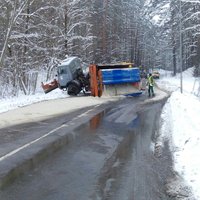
(64, 76)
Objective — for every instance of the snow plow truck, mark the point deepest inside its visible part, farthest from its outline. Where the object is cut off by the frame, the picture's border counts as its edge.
(100, 80)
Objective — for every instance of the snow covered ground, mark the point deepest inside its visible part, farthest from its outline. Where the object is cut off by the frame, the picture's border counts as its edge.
(180, 122)
(22, 100)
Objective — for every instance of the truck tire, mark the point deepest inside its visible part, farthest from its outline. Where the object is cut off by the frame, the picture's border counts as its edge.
(73, 88)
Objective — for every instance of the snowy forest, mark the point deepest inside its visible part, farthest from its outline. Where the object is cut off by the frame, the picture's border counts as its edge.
(37, 34)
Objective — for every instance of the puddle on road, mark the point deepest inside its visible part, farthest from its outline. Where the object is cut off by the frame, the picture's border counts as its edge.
(96, 120)
(122, 116)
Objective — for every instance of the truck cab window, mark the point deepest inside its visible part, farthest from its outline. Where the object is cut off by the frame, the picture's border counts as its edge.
(62, 71)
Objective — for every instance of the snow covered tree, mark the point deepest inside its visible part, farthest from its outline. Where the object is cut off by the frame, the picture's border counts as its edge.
(179, 24)
(40, 32)
(185, 22)
(36, 34)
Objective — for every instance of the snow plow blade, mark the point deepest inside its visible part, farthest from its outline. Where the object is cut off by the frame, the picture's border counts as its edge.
(48, 87)
(115, 79)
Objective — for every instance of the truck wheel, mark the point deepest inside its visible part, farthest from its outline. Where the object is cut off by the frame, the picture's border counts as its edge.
(73, 89)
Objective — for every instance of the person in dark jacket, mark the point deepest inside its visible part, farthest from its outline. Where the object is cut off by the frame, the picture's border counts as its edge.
(150, 83)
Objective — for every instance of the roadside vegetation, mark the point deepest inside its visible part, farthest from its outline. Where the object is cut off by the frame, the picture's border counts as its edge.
(36, 34)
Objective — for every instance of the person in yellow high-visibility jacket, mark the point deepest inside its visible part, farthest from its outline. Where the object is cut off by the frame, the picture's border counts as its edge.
(150, 83)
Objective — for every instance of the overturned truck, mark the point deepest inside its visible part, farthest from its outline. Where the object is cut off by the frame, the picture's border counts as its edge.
(70, 77)
(101, 80)
(114, 79)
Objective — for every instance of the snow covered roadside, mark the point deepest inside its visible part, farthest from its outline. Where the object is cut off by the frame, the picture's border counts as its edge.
(44, 109)
(181, 124)
(23, 100)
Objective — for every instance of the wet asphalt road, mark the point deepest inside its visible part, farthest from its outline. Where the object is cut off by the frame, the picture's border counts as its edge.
(113, 157)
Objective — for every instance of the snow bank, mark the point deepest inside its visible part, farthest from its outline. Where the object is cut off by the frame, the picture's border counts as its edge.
(180, 124)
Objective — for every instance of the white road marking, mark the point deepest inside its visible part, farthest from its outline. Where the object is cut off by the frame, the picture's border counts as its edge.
(40, 138)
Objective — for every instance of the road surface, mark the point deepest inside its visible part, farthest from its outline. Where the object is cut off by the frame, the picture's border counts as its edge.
(112, 157)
